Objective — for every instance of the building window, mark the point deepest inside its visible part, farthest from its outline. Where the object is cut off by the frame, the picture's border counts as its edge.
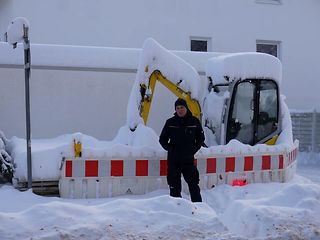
(270, 47)
(200, 44)
(269, 1)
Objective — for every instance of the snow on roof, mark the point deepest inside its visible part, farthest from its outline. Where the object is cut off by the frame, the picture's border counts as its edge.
(153, 54)
(59, 56)
(244, 65)
(90, 58)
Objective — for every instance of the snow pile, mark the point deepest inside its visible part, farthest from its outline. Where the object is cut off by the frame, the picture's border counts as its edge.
(143, 142)
(286, 137)
(234, 147)
(6, 166)
(142, 136)
(47, 154)
(256, 211)
(15, 30)
(287, 210)
(155, 57)
(226, 68)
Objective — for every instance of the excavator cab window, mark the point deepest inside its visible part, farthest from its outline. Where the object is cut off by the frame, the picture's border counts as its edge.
(241, 124)
(253, 111)
(268, 109)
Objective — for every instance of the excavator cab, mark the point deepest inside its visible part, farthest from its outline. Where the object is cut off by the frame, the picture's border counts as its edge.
(252, 114)
(252, 107)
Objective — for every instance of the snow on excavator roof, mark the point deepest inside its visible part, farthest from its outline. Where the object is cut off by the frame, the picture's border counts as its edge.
(242, 66)
(156, 57)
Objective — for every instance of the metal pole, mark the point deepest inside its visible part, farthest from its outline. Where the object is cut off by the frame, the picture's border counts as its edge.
(27, 70)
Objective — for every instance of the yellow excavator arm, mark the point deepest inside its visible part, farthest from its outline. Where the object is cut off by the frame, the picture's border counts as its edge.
(147, 94)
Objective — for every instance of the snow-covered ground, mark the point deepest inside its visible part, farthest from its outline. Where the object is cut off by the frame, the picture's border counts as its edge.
(309, 166)
(257, 211)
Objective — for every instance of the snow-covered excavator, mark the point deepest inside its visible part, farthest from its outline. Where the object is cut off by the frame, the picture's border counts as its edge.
(250, 113)
(240, 99)
(246, 121)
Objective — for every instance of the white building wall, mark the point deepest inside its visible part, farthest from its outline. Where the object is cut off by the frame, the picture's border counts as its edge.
(233, 26)
(93, 103)
(6, 13)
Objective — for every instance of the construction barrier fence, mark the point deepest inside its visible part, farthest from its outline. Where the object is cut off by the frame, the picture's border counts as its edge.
(99, 178)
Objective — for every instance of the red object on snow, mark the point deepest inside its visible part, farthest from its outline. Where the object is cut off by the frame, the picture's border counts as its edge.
(239, 182)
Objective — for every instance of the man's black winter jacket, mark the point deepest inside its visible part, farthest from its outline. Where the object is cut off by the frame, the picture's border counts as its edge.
(182, 137)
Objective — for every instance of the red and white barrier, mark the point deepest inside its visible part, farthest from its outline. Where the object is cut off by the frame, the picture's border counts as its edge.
(92, 178)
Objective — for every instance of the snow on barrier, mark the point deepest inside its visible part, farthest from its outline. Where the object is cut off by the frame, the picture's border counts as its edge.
(95, 178)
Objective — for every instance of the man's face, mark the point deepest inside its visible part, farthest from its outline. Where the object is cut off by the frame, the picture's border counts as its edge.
(181, 110)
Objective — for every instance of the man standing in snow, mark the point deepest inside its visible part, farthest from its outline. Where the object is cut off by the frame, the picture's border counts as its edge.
(182, 136)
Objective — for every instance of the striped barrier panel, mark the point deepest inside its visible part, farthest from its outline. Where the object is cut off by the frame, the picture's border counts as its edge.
(94, 178)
